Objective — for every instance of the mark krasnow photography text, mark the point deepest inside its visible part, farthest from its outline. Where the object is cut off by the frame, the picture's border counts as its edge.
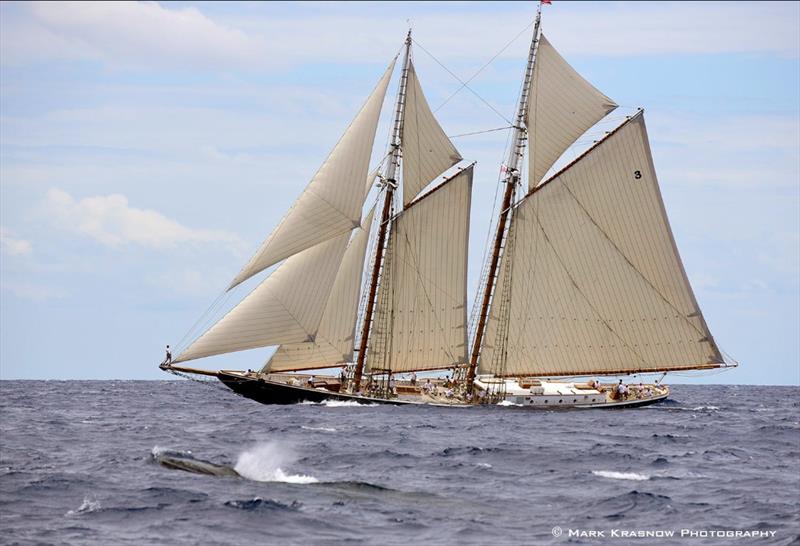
(662, 533)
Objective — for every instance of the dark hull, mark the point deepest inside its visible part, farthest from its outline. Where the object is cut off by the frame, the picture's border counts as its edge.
(270, 392)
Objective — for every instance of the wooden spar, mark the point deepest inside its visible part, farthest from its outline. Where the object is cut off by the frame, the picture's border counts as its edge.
(589, 373)
(373, 287)
(487, 294)
(512, 178)
(186, 369)
(391, 185)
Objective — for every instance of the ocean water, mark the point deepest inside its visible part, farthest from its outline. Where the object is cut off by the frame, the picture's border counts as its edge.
(81, 463)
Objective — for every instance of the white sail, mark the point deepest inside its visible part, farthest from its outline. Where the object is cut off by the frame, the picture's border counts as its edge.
(427, 152)
(561, 107)
(285, 308)
(333, 343)
(421, 316)
(596, 282)
(332, 202)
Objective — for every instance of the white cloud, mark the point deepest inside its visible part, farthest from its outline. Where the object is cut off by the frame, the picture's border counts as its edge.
(253, 37)
(111, 221)
(11, 245)
(138, 33)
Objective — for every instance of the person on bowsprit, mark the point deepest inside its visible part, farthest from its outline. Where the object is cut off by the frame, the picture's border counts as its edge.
(168, 358)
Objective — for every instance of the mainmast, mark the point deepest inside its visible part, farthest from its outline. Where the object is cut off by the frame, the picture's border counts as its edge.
(391, 185)
(512, 178)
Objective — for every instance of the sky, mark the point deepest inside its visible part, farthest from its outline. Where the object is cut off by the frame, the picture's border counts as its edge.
(146, 150)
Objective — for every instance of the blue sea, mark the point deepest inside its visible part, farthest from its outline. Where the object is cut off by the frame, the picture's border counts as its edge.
(82, 462)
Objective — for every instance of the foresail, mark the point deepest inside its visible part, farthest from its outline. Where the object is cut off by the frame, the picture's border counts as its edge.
(332, 202)
(561, 107)
(427, 152)
(333, 343)
(421, 317)
(285, 308)
(596, 285)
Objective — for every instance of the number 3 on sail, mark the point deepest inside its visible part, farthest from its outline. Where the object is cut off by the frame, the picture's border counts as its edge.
(583, 278)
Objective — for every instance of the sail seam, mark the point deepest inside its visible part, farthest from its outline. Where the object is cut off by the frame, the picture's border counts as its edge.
(575, 284)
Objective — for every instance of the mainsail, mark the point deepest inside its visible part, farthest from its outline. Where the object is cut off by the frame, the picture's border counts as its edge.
(595, 284)
(333, 343)
(332, 202)
(561, 107)
(421, 315)
(427, 152)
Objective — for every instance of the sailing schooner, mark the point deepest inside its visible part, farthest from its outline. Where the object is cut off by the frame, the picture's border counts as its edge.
(583, 278)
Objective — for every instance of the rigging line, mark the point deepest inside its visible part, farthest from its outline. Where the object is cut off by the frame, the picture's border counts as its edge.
(481, 132)
(481, 69)
(495, 110)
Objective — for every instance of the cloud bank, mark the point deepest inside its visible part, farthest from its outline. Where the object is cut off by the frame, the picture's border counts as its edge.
(111, 221)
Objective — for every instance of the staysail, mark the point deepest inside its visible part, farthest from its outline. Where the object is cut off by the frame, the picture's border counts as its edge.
(561, 107)
(285, 308)
(332, 202)
(595, 284)
(421, 315)
(333, 343)
(427, 152)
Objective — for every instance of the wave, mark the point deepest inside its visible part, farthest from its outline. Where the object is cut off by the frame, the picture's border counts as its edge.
(621, 475)
(618, 506)
(699, 408)
(158, 451)
(466, 450)
(356, 486)
(339, 404)
(258, 503)
(506, 403)
(87, 506)
(319, 429)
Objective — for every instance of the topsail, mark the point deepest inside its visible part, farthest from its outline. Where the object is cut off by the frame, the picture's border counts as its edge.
(427, 152)
(561, 107)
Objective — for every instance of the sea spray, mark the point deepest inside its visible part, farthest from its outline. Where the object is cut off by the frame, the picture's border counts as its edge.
(265, 463)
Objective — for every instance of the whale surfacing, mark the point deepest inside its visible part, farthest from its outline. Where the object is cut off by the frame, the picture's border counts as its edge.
(195, 466)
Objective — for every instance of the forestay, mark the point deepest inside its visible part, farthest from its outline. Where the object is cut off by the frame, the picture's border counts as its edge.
(421, 314)
(427, 152)
(285, 308)
(332, 202)
(596, 282)
(561, 107)
(333, 343)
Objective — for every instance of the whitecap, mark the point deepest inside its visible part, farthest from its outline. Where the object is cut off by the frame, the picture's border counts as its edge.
(483, 465)
(507, 403)
(621, 475)
(319, 429)
(345, 404)
(88, 505)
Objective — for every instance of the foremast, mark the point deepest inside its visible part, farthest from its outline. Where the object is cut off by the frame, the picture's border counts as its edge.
(511, 180)
(390, 182)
